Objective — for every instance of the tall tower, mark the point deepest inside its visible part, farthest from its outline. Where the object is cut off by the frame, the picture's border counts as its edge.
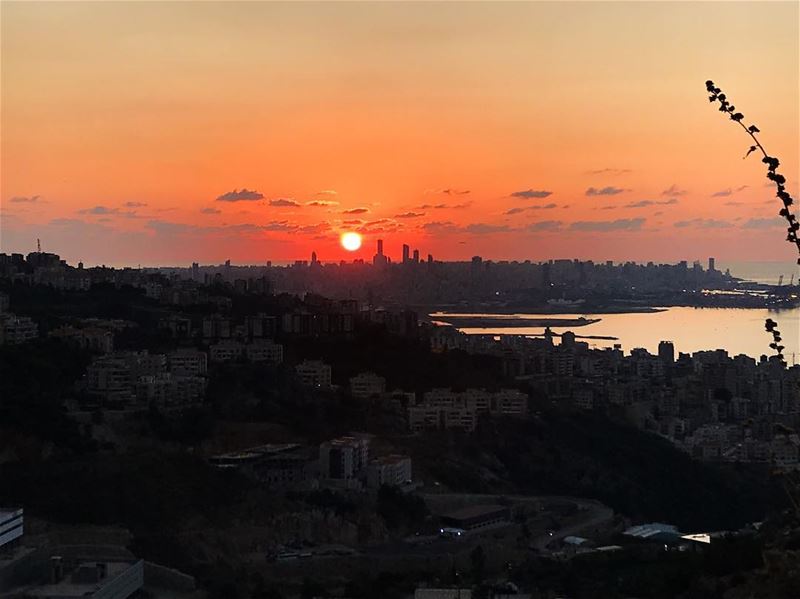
(406, 251)
(712, 265)
(380, 247)
(416, 256)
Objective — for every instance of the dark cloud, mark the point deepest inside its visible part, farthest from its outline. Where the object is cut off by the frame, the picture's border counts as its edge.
(25, 199)
(210, 211)
(284, 203)
(605, 191)
(455, 192)
(764, 223)
(410, 215)
(280, 226)
(134, 204)
(621, 224)
(439, 226)
(674, 191)
(528, 194)
(322, 203)
(703, 223)
(356, 211)
(243, 195)
(355, 221)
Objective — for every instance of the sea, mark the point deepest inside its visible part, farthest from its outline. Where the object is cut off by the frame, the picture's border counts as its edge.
(736, 330)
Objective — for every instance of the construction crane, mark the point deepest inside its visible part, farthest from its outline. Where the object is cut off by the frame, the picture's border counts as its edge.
(38, 245)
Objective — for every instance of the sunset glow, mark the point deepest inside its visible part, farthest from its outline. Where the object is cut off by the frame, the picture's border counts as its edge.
(164, 133)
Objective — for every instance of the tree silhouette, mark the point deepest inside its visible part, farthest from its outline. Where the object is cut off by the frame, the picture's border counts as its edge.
(793, 226)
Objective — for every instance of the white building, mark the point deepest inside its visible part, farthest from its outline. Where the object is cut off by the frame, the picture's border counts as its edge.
(367, 384)
(391, 470)
(314, 373)
(343, 458)
(264, 351)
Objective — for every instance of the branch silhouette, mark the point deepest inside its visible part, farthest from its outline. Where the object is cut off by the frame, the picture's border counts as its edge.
(716, 95)
(725, 106)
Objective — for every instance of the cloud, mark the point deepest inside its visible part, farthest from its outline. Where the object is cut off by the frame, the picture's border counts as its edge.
(327, 192)
(764, 223)
(485, 228)
(210, 211)
(279, 225)
(106, 211)
(621, 224)
(448, 191)
(703, 223)
(646, 203)
(611, 171)
(723, 193)
(734, 204)
(134, 204)
(322, 203)
(524, 208)
(25, 199)
(356, 211)
(528, 194)
(355, 221)
(545, 225)
(245, 195)
(284, 203)
(410, 215)
(442, 206)
(674, 191)
(605, 191)
(439, 226)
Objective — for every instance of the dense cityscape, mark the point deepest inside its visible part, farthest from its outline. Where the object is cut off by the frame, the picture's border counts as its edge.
(354, 437)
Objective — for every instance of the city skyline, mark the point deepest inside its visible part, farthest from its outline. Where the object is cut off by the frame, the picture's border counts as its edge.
(257, 132)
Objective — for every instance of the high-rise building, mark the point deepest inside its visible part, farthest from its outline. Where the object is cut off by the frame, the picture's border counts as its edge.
(666, 352)
(379, 259)
(406, 251)
(416, 257)
(313, 257)
(712, 264)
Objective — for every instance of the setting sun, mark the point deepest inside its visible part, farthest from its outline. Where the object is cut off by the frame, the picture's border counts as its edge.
(351, 241)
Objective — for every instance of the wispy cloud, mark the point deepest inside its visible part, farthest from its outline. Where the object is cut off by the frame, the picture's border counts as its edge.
(703, 223)
(764, 223)
(524, 208)
(106, 211)
(646, 203)
(544, 225)
(450, 191)
(528, 194)
(410, 215)
(723, 193)
(243, 195)
(284, 203)
(135, 204)
(610, 171)
(322, 203)
(356, 211)
(673, 191)
(25, 199)
(210, 211)
(442, 206)
(609, 190)
(620, 224)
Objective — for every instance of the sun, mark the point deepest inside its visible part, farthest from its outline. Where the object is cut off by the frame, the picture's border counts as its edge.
(350, 241)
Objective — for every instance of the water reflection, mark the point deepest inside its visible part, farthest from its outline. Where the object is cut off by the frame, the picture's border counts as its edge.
(737, 330)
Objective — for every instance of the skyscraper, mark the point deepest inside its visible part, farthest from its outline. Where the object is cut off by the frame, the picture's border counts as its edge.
(416, 256)
(406, 251)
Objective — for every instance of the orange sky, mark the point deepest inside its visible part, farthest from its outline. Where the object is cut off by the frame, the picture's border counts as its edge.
(124, 122)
